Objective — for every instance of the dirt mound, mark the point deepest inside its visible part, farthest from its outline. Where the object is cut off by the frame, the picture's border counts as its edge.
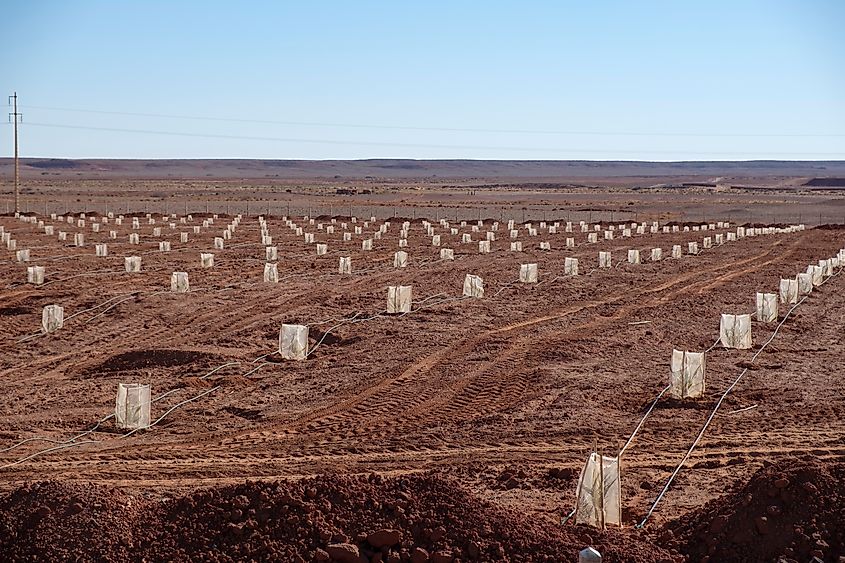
(367, 519)
(794, 510)
(63, 522)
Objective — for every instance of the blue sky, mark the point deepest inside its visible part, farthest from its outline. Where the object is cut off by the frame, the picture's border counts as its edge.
(680, 80)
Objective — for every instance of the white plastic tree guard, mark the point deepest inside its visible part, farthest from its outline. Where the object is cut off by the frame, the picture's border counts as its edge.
(805, 284)
(570, 266)
(183, 237)
(435, 240)
(95, 227)
(206, 259)
(608, 235)
(132, 264)
(656, 254)
(447, 254)
(80, 223)
(403, 243)
(132, 407)
(626, 233)
(78, 239)
(545, 246)
(179, 282)
(466, 238)
(570, 242)
(676, 251)
(271, 272)
(767, 307)
(293, 342)
(490, 236)
(707, 242)
(605, 260)
(633, 256)
(592, 237)
(271, 253)
(599, 493)
(687, 377)
(156, 231)
(692, 248)
(528, 273)
(788, 291)
(740, 232)
(516, 246)
(113, 235)
(322, 249)
(164, 246)
(473, 286)
(22, 255)
(816, 274)
(367, 244)
(735, 331)
(398, 299)
(218, 243)
(827, 267)
(35, 275)
(514, 233)
(49, 229)
(266, 240)
(345, 265)
(400, 259)
(484, 247)
(101, 250)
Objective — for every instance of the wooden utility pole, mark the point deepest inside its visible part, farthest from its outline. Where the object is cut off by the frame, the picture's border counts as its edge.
(16, 117)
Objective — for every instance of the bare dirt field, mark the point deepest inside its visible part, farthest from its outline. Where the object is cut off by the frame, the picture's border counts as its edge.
(462, 426)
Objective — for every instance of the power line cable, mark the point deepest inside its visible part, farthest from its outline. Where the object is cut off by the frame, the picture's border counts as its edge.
(424, 145)
(429, 128)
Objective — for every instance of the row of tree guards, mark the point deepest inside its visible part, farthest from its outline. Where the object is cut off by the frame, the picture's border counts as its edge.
(598, 495)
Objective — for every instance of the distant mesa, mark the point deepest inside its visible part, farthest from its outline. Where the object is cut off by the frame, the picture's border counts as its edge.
(56, 163)
(826, 182)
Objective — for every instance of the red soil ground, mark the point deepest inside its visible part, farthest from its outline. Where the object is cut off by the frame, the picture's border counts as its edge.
(501, 398)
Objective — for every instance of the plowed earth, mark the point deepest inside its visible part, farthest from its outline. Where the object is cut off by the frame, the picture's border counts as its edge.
(497, 401)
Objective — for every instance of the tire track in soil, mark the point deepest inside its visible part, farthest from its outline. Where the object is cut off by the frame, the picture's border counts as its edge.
(470, 391)
(415, 405)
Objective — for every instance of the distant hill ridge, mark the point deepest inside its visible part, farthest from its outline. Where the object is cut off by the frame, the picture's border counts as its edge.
(410, 168)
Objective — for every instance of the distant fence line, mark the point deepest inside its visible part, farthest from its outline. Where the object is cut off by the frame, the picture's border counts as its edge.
(757, 214)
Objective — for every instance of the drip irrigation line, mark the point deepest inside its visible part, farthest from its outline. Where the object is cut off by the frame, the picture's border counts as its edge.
(171, 409)
(643, 419)
(104, 419)
(84, 274)
(716, 408)
(48, 450)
